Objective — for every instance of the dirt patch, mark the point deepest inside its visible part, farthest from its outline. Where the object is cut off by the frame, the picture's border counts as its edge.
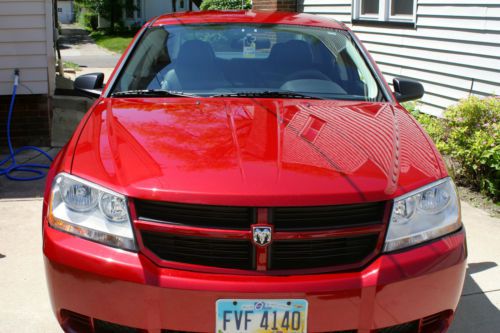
(479, 201)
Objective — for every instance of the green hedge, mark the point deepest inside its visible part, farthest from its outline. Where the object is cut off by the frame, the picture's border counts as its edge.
(88, 20)
(469, 135)
(224, 4)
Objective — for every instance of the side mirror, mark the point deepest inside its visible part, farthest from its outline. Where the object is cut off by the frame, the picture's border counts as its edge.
(90, 84)
(407, 90)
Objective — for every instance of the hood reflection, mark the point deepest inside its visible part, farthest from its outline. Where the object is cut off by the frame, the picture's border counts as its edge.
(259, 147)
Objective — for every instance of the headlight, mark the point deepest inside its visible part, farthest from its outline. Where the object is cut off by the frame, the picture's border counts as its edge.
(425, 214)
(90, 211)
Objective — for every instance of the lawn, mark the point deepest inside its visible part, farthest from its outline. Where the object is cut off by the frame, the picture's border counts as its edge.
(114, 42)
(72, 65)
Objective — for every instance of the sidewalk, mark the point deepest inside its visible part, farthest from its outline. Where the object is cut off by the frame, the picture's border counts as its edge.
(79, 48)
(479, 308)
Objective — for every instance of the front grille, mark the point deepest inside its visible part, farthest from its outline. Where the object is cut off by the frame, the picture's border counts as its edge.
(101, 326)
(75, 322)
(402, 328)
(299, 251)
(304, 254)
(327, 217)
(195, 215)
(225, 253)
(438, 322)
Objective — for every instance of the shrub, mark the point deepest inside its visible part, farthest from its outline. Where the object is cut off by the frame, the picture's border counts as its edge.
(88, 20)
(469, 134)
(224, 4)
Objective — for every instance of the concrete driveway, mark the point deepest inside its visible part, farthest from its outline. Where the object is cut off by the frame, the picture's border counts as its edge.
(77, 47)
(25, 305)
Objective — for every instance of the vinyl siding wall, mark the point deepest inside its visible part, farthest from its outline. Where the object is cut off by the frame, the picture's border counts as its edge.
(26, 42)
(454, 48)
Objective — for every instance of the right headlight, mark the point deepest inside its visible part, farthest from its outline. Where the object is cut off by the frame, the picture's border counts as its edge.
(90, 211)
(422, 215)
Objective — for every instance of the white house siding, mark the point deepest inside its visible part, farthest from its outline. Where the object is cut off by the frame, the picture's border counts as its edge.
(26, 42)
(454, 48)
(155, 8)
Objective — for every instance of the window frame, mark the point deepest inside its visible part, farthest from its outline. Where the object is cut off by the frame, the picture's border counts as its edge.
(384, 15)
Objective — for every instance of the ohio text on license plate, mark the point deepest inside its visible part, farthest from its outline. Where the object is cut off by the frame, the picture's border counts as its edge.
(261, 316)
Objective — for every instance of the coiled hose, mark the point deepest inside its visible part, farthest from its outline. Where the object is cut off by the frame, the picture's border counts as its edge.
(30, 168)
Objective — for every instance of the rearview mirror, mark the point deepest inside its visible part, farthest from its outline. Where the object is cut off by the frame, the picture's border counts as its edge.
(260, 43)
(407, 89)
(90, 84)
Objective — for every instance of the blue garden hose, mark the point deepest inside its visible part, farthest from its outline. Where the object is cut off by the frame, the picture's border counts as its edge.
(30, 168)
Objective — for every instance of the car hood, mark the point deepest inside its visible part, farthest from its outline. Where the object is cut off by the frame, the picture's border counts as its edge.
(258, 152)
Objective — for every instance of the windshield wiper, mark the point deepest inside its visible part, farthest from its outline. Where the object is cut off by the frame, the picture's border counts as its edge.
(268, 94)
(152, 93)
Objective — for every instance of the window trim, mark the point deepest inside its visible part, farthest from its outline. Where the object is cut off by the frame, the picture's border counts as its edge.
(384, 15)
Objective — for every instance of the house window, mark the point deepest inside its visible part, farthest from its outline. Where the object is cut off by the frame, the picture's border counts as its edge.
(402, 7)
(369, 7)
(402, 11)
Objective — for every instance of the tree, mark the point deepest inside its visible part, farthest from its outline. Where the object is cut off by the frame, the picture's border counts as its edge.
(225, 4)
(111, 10)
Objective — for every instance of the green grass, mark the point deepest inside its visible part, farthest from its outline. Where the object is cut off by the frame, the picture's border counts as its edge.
(114, 42)
(72, 65)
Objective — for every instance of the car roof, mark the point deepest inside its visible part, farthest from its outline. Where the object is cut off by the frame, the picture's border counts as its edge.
(200, 17)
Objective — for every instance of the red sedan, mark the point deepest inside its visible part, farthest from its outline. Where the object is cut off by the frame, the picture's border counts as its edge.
(251, 172)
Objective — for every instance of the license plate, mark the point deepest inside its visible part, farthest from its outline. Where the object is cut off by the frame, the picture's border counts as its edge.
(261, 316)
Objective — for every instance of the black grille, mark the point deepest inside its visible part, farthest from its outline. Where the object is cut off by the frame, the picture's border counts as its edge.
(101, 326)
(304, 254)
(436, 323)
(283, 254)
(226, 253)
(196, 215)
(75, 322)
(327, 217)
(402, 328)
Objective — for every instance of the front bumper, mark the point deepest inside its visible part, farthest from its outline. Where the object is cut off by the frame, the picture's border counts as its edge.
(128, 289)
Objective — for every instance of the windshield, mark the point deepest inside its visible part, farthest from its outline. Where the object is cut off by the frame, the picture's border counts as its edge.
(249, 59)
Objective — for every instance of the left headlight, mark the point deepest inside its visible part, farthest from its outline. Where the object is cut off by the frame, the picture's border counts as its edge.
(90, 211)
(422, 215)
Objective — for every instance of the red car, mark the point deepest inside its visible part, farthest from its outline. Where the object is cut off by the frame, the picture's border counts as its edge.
(251, 172)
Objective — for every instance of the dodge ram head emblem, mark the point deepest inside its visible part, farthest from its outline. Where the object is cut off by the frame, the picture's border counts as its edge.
(262, 235)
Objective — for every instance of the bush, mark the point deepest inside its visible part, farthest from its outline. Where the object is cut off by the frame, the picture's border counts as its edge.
(224, 4)
(88, 20)
(469, 134)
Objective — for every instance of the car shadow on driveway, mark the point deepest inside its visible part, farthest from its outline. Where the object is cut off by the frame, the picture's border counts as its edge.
(476, 312)
(14, 190)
